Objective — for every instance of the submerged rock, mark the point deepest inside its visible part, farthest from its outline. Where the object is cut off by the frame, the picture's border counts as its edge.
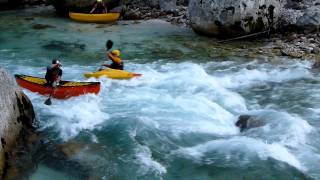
(233, 17)
(64, 46)
(246, 122)
(16, 120)
(42, 26)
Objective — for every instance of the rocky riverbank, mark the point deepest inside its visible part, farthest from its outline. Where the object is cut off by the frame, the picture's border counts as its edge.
(177, 15)
(293, 45)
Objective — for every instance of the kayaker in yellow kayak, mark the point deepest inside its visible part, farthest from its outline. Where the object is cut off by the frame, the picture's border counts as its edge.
(99, 8)
(117, 62)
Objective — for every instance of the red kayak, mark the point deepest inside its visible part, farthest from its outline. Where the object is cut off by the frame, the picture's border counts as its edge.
(64, 90)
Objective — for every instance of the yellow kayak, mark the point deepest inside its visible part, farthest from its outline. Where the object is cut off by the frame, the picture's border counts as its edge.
(112, 73)
(94, 18)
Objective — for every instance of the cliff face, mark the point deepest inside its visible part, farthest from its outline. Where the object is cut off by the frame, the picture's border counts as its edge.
(16, 115)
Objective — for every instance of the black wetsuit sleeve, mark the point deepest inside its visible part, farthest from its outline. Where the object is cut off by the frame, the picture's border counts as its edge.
(60, 72)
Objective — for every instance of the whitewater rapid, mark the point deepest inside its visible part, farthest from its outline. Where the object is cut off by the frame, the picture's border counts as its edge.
(185, 99)
(177, 120)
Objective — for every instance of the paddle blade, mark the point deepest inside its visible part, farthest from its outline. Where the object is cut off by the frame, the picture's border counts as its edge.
(109, 44)
(48, 101)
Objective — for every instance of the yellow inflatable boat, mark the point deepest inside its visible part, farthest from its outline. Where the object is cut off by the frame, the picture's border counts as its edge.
(95, 18)
(112, 73)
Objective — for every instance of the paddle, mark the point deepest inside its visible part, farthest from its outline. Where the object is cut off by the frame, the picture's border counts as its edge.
(109, 44)
(48, 101)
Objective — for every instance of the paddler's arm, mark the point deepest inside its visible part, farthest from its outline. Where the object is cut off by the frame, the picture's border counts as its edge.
(114, 59)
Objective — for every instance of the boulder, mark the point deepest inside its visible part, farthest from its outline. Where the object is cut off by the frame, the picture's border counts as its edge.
(16, 115)
(310, 20)
(246, 122)
(229, 18)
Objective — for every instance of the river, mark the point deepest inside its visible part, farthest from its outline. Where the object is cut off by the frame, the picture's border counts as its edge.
(177, 120)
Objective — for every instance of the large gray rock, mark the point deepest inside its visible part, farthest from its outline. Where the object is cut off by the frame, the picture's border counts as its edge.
(233, 17)
(16, 114)
(310, 20)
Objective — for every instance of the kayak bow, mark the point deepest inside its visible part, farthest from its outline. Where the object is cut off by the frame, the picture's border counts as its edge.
(112, 73)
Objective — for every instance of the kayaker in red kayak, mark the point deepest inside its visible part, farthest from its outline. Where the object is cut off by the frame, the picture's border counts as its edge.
(54, 73)
(99, 8)
(117, 62)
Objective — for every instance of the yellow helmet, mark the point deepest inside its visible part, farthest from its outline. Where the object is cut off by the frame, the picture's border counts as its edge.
(115, 52)
(99, 0)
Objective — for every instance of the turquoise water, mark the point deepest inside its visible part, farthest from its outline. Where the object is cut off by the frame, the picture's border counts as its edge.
(177, 120)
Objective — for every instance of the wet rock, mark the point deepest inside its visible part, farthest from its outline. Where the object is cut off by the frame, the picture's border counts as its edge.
(233, 17)
(42, 26)
(292, 52)
(246, 122)
(316, 50)
(316, 64)
(16, 119)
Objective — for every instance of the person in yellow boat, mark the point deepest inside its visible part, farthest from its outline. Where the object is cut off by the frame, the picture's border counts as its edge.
(99, 8)
(54, 73)
(117, 62)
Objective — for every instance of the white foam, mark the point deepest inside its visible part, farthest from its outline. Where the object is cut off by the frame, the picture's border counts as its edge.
(147, 163)
(74, 115)
(247, 77)
(289, 130)
(250, 147)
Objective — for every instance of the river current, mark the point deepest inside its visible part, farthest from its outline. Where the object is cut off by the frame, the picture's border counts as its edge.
(177, 120)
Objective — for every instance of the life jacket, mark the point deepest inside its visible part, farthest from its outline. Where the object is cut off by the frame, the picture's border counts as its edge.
(53, 73)
(116, 62)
